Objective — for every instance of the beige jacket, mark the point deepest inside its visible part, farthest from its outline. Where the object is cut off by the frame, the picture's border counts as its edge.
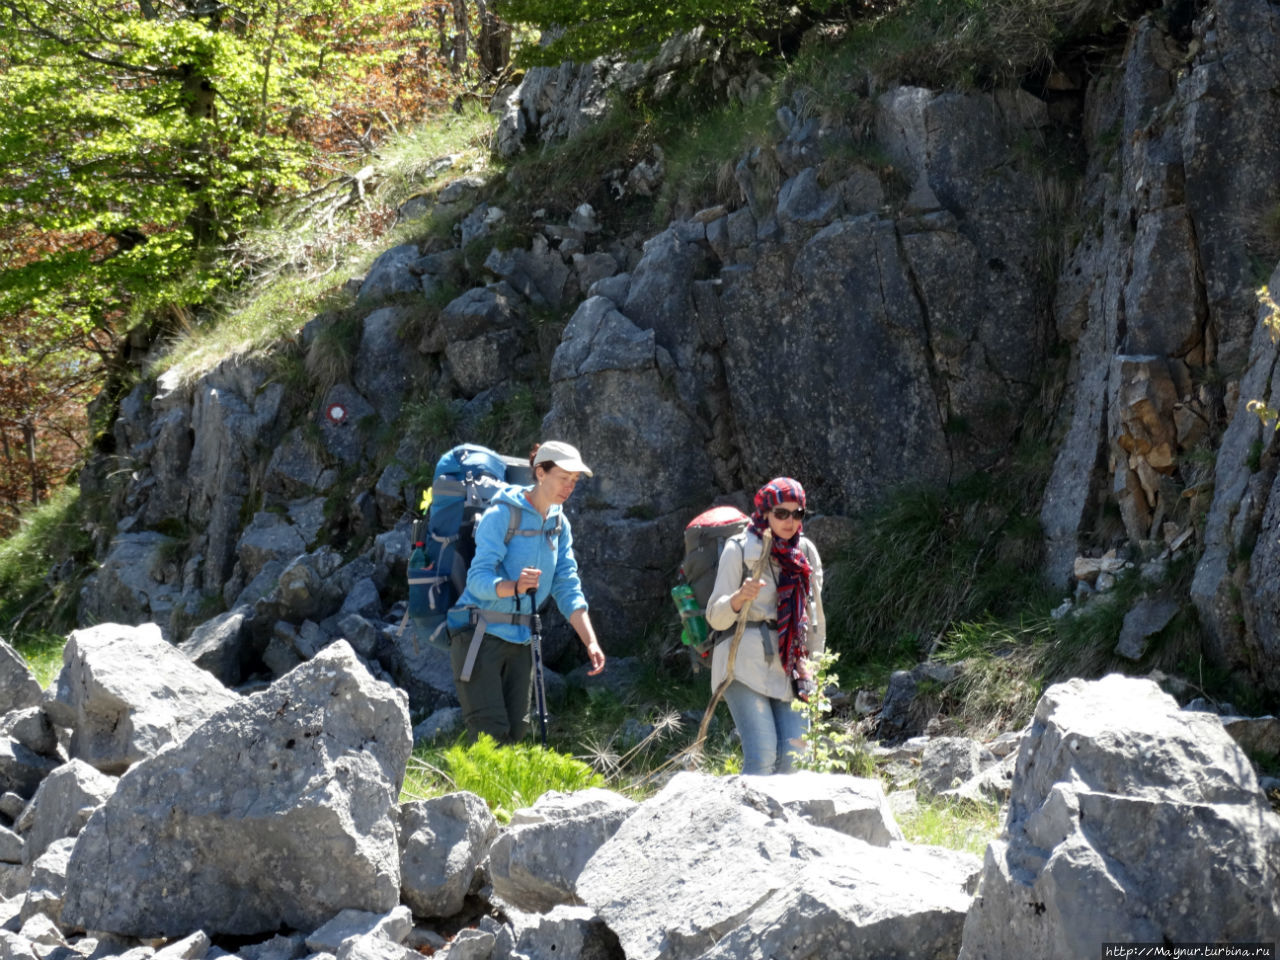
(758, 664)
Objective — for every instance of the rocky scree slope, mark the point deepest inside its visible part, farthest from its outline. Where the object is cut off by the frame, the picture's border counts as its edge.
(273, 828)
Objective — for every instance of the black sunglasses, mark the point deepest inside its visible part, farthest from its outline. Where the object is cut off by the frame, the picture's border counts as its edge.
(782, 513)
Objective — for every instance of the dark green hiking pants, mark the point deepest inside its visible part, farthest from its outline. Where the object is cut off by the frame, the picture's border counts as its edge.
(496, 698)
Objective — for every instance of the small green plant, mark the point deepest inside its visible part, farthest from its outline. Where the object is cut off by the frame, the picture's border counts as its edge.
(955, 824)
(43, 654)
(828, 747)
(924, 558)
(332, 352)
(41, 569)
(701, 145)
(431, 420)
(507, 777)
(514, 424)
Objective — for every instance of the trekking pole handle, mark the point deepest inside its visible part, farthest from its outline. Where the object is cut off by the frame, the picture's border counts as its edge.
(535, 621)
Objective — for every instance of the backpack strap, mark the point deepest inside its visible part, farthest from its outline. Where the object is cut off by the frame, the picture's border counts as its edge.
(482, 619)
(513, 528)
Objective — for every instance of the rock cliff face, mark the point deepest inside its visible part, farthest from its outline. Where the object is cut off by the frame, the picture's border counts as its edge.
(858, 325)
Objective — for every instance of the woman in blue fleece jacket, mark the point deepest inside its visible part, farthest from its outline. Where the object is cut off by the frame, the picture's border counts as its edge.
(489, 624)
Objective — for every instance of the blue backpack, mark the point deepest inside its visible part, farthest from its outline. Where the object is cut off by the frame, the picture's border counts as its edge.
(465, 481)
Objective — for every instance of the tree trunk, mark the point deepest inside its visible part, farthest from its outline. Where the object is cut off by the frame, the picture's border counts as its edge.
(29, 438)
(442, 29)
(493, 44)
(461, 37)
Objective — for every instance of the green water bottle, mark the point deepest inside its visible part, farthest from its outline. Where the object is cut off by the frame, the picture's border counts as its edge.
(693, 631)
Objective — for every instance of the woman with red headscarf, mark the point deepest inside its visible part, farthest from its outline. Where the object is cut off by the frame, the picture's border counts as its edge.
(785, 624)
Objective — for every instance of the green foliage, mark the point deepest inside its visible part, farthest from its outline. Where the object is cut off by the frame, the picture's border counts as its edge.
(138, 135)
(507, 777)
(828, 746)
(40, 575)
(139, 138)
(701, 146)
(303, 256)
(1009, 661)
(43, 653)
(331, 353)
(957, 825)
(634, 29)
(561, 176)
(982, 43)
(514, 424)
(925, 557)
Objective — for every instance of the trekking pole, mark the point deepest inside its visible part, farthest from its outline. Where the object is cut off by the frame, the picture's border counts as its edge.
(539, 680)
(695, 749)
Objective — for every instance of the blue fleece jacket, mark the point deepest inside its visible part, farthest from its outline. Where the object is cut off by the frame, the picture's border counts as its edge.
(496, 561)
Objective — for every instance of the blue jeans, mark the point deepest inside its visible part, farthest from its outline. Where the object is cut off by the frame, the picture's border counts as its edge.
(767, 727)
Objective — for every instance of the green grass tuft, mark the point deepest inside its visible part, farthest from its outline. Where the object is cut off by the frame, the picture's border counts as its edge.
(957, 825)
(507, 777)
(41, 568)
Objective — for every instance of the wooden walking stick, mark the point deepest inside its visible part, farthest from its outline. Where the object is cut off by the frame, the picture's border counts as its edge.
(766, 541)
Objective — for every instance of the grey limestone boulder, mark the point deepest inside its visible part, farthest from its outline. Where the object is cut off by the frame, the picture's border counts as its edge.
(224, 645)
(269, 536)
(855, 806)
(443, 841)
(126, 693)
(563, 931)
(21, 768)
(62, 805)
(538, 274)
(803, 201)
(948, 762)
(47, 890)
(16, 947)
(345, 436)
(392, 927)
(371, 947)
(482, 310)
(31, 727)
(14, 881)
(363, 599)
(1125, 814)
(193, 947)
(18, 685)
(11, 846)
(535, 862)
(41, 931)
(278, 810)
(305, 590)
(443, 723)
(990, 785)
(1147, 618)
(383, 370)
(390, 274)
(137, 581)
(907, 707)
(279, 947)
(472, 944)
(714, 868)
(297, 467)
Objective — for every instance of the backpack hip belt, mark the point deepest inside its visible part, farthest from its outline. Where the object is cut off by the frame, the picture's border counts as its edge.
(482, 619)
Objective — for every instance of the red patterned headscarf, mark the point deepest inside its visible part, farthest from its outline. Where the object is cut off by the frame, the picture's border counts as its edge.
(793, 583)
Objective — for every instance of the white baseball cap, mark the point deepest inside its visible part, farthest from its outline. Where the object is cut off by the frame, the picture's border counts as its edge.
(562, 455)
